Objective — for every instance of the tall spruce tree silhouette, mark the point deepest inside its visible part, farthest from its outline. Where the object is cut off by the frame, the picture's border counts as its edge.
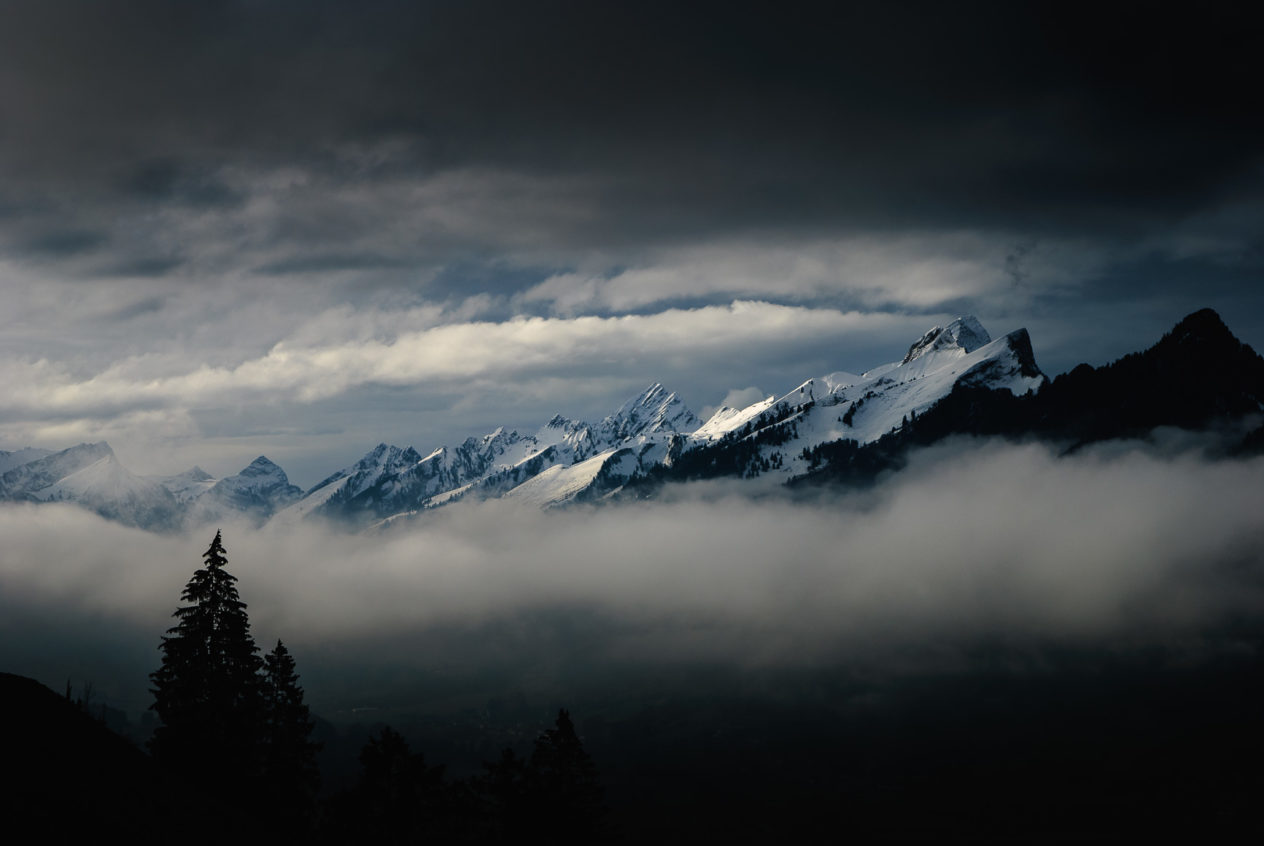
(208, 689)
(565, 792)
(291, 777)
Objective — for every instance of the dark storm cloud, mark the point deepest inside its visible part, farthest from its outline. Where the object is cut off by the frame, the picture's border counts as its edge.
(141, 266)
(319, 263)
(165, 180)
(275, 172)
(148, 305)
(685, 117)
(61, 243)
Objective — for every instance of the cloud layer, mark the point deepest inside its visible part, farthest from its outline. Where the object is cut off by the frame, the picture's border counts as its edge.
(486, 354)
(1110, 550)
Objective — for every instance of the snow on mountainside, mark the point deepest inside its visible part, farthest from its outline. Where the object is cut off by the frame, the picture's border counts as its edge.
(383, 461)
(965, 333)
(872, 404)
(653, 412)
(500, 462)
(257, 492)
(567, 461)
(866, 407)
(91, 476)
(559, 485)
(189, 485)
(103, 477)
(727, 419)
(563, 461)
(18, 457)
(26, 480)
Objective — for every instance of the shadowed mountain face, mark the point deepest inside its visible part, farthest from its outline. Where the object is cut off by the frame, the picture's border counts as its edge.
(1197, 375)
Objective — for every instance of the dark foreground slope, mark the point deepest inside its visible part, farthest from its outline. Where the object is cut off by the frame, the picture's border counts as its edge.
(68, 778)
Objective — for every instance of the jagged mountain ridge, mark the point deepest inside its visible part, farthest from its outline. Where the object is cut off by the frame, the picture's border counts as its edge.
(257, 492)
(1196, 375)
(500, 462)
(843, 406)
(16, 458)
(568, 460)
(954, 379)
(91, 476)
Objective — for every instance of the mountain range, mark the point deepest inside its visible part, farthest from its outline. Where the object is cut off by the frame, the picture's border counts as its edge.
(842, 427)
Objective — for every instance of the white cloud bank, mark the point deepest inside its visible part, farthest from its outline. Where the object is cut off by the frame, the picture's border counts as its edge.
(987, 541)
(479, 352)
(911, 270)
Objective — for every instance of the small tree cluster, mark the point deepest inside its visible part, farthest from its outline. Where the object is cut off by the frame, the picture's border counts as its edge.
(552, 796)
(562, 784)
(231, 719)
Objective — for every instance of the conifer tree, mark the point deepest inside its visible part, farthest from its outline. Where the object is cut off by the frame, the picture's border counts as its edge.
(291, 777)
(398, 798)
(207, 691)
(566, 791)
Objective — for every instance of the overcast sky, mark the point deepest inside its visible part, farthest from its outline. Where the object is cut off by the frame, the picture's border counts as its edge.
(301, 228)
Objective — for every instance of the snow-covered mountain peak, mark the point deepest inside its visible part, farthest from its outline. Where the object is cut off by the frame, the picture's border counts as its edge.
(385, 456)
(558, 429)
(262, 466)
(497, 442)
(32, 476)
(652, 411)
(377, 454)
(103, 476)
(91, 476)
(965, 333)
(383, 462)
(382, 455)
(499, 447)
(260, 478)
(258, 491)
(843, 406)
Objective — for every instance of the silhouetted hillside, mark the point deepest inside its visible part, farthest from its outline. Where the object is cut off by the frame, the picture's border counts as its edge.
(71, 779)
